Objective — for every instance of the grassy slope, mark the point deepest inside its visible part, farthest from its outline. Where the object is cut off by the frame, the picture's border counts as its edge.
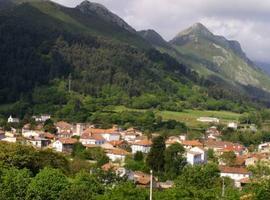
(230, 66)
(189, 116)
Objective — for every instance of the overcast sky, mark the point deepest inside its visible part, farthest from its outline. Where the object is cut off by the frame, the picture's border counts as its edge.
(247, 21)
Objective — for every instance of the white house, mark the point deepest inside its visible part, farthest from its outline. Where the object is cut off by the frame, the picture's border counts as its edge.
(64, 144)
(265, 147)
(42, 118)
(117, 154)
(208, 119)
(10, 139)
(39, 142)
(111, 136)
(13, 120)
(235, 173)
(232, 125)
(95, 139)
(143, 145)
(196, 155)
(31, 133)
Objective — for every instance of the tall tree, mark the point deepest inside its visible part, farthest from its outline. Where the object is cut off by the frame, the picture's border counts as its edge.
(155, 158)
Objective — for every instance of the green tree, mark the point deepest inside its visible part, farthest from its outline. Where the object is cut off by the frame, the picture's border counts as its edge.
(138, 156)
(174, 160)
(155, 158)
(14, 183)
(228, 158)
(84, 186)
(48, 184)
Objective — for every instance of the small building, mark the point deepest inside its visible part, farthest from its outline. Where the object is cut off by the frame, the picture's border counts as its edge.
(188, 144)
(235, 173)
(64, 127)
(208, 119)
(143, 146)
(264, 147)
(41, 118)
(9, 139)
(89, 138)
(13, 120)
(39, 142)
(64, 144)
(196, 156)
(117, 154)
(31, 133)
(232, 125)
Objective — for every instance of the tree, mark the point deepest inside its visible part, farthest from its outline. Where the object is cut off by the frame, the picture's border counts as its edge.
(14, 183)
(49, 126)
(155, 158)
(84, 186)
(228, 158)
(125, 191)
(138, 156)
(47, 185)
(174, 160)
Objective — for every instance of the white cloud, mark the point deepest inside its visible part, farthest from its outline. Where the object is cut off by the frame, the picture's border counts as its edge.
(244, 20)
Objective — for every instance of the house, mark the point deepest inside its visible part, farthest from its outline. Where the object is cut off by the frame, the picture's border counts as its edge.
(264, 147)
(121, 144)
(130, 135)
(13, 120)
(143, 180)
(196, 156)
(232, 125)
(9, 139)
(64, 144)
(142, 145)
(38, 142)
(41, 118)
(213, 133)
(188, 144)
(172, 140)
(252, 159)
(235, 173)
(89, 138)
(117, 154)
(220, 147)
(108, 134)
(64, 129)
(208, 119)
(31, 133)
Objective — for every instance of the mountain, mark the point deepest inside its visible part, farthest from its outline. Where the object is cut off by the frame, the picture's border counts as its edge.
(98, 51)
(154, 38)
(90, 8)
(218, 59)
(264, 66)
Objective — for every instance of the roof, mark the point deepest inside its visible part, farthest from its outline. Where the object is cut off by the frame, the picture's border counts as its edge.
(233, 170)
(68, 140)
(117, 142)
(92, 136)
(63, 125)
(91, 145)
(227, 146)
(118, 152)
(101, 131)
(48, 135)
(144, 142)
(191, 143)
(141, 178)
(109, 166)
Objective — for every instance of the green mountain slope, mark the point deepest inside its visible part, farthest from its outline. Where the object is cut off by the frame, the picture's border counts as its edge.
(219, 60)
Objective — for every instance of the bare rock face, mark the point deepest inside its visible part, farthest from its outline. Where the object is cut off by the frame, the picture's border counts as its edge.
(87, 7)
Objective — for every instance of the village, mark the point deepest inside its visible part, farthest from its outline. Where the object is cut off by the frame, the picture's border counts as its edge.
(118, 144)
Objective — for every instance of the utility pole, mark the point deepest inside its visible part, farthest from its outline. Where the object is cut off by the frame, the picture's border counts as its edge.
(151, 184)
(223, 188)
(69, 83)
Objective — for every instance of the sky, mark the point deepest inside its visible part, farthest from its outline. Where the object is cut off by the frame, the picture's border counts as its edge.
(247, 21)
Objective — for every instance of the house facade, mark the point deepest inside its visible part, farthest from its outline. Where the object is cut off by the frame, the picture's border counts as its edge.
(196, 156)
(143, 146)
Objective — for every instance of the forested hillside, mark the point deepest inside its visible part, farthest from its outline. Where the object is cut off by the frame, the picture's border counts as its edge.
(43, 45)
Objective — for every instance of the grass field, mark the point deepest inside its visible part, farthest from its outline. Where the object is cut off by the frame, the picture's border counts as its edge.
(190, 116)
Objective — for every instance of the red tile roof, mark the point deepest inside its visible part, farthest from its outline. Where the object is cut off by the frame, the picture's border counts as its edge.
(143, 142)
(233, 170)
(63, 125)
(92, 136)
(118, 152)
(101, 131)
(68, 140)
(194, 143)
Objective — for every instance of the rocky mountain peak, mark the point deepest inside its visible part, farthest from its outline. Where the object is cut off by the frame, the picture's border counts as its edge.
(101, 11)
